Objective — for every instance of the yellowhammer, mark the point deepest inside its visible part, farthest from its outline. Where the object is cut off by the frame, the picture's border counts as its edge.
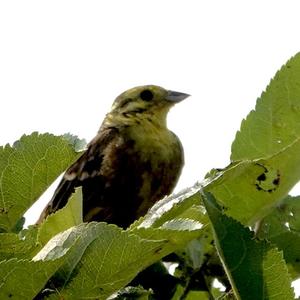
(132, 162)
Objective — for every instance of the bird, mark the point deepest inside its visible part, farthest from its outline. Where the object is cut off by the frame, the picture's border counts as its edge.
(133, 161)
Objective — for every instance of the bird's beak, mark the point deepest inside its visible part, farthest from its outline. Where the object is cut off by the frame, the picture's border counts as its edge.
(173, 96)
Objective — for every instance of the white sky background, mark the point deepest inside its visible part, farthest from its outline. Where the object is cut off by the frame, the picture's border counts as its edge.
(62, 63)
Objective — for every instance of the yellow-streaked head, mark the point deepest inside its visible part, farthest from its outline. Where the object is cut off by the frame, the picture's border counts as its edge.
(148, 101)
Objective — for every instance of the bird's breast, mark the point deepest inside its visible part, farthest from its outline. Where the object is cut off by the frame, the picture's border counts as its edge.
(153, 141)
(157, 156)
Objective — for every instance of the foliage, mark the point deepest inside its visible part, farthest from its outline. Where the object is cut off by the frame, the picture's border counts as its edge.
(185, 242)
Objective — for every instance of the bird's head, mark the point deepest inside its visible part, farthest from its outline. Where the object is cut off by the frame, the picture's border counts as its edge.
(149, 102)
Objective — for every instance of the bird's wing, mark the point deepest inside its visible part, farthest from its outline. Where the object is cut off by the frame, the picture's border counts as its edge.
(86, 167)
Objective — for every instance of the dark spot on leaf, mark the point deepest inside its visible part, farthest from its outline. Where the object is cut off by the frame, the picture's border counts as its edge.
(224, 208)
(268, 181)
(158, 250)
(297, 260)
(10, 295)
(261, 177)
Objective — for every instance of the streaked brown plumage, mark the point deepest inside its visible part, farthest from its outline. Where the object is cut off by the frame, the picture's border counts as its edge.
(133, 161)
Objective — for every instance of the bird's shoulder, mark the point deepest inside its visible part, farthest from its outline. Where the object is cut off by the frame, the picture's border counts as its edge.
(98, 150)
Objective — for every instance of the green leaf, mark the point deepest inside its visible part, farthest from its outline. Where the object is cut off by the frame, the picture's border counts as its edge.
(198, 251)
(78, 145)
(29, 241)
(274, 124)
(281, 227)
(101, 258)
(197, 295)
(249, 189)
(22, 245)
(270, 138)
(178, 233)
(132, 293)
(68, 216)
(290, 209)
(26, 170)
(23, 279)
(255, 269)
(171, 207)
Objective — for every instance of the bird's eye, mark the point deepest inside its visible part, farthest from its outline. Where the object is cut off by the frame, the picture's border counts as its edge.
(146, 95)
